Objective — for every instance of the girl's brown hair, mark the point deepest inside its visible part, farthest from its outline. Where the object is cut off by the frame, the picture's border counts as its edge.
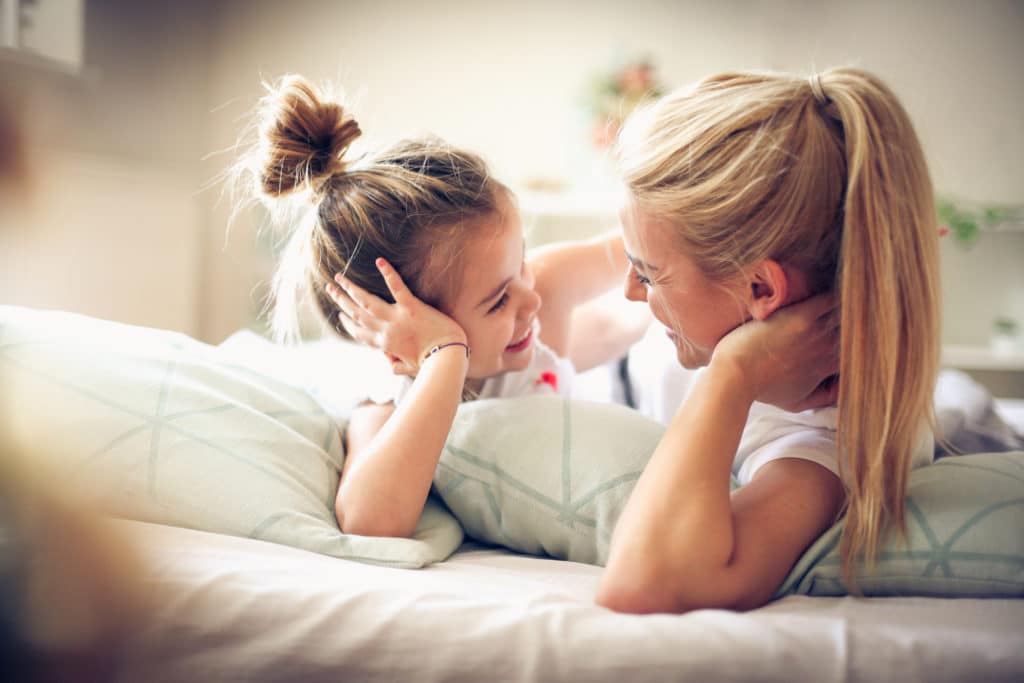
(827, 175)
(413, 203)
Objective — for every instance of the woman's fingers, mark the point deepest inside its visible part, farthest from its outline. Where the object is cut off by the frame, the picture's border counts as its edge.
(824, 395)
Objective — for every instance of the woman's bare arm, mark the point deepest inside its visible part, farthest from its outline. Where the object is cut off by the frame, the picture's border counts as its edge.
(684, 541)
(570, 274)
(605, 328)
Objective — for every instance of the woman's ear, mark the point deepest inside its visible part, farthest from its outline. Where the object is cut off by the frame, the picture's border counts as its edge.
(768, 288)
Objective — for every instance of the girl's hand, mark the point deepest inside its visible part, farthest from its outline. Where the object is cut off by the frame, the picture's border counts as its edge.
(405, 330)
(791, 359)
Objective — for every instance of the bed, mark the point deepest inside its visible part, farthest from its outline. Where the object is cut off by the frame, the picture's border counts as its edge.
(234, 606)
(246, 610)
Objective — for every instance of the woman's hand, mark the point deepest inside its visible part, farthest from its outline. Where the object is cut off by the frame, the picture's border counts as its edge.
(791, 359)
(405, 330)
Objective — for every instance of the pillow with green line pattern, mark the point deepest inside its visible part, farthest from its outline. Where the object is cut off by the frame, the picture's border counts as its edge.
(549, 476)
(542, 474)
(965, 537)
(155, 426)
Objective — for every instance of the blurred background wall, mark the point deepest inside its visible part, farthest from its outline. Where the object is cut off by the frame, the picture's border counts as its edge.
(123, 144)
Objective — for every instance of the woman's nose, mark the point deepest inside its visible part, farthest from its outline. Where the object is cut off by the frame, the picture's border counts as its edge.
(634, 289)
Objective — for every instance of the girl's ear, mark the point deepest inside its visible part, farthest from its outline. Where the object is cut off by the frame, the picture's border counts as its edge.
(768, 288)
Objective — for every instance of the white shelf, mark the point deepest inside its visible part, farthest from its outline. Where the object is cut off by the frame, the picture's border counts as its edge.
(591, 204)
(981, 358)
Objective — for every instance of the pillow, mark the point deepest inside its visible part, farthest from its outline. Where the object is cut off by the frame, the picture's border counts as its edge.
(154, 426)
(965, 537)
(550, 476)
(542, 474)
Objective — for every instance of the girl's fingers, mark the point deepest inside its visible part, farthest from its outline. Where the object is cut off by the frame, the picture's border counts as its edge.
(342, 300)
(400, 367)
(346, 322)
(364, 336)
(358, 323)
(360, 296)
(394, 281)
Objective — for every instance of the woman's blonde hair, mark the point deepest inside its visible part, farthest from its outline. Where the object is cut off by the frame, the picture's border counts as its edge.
(827, 175)
(413, 203)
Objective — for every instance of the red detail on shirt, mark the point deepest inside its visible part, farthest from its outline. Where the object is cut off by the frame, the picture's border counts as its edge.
(548, 378)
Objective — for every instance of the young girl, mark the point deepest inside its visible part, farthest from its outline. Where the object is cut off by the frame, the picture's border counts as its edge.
(746, 193)
(430, 252)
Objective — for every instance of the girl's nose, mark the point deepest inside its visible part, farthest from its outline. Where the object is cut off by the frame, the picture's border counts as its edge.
(531, 303)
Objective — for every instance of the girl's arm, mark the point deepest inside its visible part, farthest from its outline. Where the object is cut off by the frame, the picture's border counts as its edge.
(569, 274)
(684, 541)
(393, 452)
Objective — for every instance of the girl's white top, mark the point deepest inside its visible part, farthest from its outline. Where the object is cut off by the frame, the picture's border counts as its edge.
(547, 374)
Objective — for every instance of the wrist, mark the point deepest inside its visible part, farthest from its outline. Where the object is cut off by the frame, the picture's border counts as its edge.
(731, 374)
(446, 348)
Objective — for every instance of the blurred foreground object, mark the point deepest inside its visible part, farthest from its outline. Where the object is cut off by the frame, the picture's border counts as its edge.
(70, 589)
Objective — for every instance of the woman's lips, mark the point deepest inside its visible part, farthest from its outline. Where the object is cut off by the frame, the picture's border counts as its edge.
(522, 343)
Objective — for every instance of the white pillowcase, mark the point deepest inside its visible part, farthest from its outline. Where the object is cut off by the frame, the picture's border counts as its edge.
(544, 475)
(155, 426)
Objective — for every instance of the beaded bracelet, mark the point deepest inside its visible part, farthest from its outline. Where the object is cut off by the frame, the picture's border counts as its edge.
(437, 348)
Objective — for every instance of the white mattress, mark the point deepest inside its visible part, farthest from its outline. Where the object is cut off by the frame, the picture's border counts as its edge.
(234, 609)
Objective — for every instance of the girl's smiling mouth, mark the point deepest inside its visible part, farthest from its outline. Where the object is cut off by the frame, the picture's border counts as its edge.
(523, 343)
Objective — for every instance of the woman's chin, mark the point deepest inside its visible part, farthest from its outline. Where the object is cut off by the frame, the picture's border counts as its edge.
(689, 357)
(690, 363)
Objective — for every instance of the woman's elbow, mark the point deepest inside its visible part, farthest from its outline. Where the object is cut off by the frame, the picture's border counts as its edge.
(669, 592)
(636, 593)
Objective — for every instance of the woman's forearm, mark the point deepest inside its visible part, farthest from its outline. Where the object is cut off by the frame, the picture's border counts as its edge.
(569, 274)
(383, 492)
(677, 529)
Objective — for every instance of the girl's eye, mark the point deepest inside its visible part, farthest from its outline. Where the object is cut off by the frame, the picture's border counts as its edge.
(499, 304)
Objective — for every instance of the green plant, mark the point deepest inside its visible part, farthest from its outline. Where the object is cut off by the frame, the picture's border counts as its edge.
(612, 96)
(967, 221)
(1007, 326)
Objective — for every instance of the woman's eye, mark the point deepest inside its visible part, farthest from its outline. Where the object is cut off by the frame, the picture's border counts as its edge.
(641, 279)
(499, 304)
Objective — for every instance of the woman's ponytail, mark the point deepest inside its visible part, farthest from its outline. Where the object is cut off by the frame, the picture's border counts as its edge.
(888, 283)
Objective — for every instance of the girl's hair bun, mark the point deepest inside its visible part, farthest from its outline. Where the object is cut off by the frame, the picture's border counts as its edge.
(303, 137)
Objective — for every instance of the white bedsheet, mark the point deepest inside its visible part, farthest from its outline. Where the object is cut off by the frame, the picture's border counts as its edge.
(235, 609)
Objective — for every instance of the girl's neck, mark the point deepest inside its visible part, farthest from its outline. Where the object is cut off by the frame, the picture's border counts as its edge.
(475, 385)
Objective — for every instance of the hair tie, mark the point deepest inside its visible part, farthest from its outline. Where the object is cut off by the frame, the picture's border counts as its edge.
(818, 90)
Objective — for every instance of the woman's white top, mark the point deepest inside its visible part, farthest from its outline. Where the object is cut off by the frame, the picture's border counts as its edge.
(660, 384)
(772, 433)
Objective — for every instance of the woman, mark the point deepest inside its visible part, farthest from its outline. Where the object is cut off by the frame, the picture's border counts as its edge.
(747, 193)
